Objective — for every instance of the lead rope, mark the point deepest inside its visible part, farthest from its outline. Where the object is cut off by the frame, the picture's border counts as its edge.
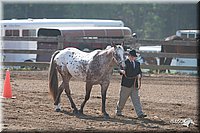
(139, 82)
(135, 79)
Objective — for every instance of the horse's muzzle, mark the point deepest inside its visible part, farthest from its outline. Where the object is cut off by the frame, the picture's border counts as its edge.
(122, 64)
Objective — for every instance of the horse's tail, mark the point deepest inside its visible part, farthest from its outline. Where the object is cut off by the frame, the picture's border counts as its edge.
(53, 77)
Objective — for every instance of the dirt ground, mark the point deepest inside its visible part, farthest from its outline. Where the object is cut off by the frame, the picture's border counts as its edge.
(166, 99)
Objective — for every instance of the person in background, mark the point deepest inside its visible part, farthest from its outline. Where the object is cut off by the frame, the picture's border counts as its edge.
(129, 85)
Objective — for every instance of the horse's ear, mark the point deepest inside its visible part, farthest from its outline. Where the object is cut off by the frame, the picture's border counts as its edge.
(122, 43)
(113, 45)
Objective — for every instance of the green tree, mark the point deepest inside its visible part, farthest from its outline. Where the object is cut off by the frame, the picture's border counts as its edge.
(155, 21)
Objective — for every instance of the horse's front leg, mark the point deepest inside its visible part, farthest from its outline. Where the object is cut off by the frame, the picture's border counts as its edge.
(104, 87)
(87, 96)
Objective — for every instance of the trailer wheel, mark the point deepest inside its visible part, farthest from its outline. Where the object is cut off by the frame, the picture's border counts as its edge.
(29, 67)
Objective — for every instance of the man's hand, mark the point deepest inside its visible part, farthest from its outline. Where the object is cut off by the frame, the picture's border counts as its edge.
(139, 76)
(122, 72)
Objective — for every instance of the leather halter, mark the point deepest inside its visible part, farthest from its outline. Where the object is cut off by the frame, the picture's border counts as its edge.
(115, 60)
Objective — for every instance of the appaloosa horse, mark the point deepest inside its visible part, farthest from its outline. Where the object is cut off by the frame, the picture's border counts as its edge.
(93, 68)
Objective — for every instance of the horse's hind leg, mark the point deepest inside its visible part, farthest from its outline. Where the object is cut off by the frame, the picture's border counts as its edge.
(87, 96)
(65, 85)
(67, 91)
(168, 62)
(57, 100)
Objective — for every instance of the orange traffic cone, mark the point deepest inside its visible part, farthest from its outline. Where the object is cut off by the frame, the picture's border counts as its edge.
(7, 92)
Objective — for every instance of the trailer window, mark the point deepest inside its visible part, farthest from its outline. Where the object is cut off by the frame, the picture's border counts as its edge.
(12, 33)
(191, 35)
(28, 32)
(184, 35)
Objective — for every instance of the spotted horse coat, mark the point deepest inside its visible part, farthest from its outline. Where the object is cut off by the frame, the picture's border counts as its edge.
(93, 68)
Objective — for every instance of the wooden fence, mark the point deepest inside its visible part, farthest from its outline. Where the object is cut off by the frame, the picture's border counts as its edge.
(132, 43)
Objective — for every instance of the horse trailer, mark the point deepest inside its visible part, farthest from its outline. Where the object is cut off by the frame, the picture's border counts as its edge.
(30, 27)
(89, 33)
(187, 34)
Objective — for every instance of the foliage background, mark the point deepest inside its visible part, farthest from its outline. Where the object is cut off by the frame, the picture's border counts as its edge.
(149, 21)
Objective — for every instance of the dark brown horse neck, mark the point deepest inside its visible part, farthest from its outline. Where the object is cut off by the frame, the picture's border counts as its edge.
(173, 37)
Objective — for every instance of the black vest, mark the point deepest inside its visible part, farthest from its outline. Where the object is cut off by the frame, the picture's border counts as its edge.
(131, 72)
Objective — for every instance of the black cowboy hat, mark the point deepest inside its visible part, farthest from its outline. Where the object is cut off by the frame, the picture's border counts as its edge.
(132, 53)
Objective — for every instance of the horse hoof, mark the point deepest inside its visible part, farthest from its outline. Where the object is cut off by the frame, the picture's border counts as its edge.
(106, 116)
(75, 111)
(57, 110)
(80, 112)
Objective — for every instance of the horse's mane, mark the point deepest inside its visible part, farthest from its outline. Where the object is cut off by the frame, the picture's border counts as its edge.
(99, 53)
(108, 47)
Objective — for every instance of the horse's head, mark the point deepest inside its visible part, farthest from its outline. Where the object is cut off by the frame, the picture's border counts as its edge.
(119, 55)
